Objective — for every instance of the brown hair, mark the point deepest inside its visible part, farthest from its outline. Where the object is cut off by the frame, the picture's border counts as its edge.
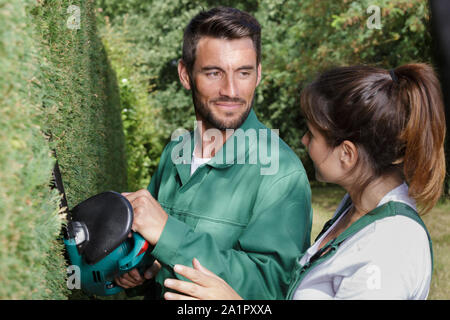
(220, 22)
(396, 119)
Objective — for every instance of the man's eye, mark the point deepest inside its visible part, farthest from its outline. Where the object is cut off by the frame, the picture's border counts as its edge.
(213, 74)
(244, 74)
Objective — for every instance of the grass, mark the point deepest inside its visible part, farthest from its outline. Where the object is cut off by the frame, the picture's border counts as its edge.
(325, 199)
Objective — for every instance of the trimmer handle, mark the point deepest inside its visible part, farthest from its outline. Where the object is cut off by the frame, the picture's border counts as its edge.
(133, 259)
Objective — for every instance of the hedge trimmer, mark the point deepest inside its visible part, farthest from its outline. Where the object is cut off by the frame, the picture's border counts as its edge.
(96, 240)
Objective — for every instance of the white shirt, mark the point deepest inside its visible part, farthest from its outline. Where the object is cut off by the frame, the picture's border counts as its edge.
(197, 162)
(388, 259)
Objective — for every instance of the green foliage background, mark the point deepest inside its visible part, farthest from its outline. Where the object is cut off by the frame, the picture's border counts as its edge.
(299, 39)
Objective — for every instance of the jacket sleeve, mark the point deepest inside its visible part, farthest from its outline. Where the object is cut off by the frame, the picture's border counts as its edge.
(260, 264)
(155, 180)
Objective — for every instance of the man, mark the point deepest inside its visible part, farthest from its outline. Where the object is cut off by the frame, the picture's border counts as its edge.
(215, 196)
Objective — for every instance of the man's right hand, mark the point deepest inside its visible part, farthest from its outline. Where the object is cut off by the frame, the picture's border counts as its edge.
(133, 278)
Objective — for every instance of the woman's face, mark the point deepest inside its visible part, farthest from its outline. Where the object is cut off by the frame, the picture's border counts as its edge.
(326, 159)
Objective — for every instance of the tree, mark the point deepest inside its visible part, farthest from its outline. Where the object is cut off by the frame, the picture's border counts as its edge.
(300, 39)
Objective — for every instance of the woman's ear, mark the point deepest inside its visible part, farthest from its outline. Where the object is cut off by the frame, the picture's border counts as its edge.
(348, 155)
(183, 74)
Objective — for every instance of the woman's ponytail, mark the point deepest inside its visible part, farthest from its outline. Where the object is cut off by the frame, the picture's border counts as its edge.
(419, 91)
(395, 117)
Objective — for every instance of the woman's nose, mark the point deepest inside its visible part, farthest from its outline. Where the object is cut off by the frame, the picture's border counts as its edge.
(305, 140)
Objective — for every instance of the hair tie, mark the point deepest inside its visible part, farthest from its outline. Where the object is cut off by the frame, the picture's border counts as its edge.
(393, 75)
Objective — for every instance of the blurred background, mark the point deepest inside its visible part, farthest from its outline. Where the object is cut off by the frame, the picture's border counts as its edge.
(95, 83)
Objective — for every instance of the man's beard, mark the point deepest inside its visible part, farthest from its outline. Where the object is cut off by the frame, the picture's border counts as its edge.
(212, 120)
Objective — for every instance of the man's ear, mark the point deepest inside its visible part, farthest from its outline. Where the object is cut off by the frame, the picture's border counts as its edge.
(258, 69)
(348, 155)
(183, 74)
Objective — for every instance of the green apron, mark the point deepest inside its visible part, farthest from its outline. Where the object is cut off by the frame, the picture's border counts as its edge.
(389, 209)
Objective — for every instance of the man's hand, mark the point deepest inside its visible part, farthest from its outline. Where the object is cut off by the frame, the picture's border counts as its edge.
(134, 278)
(149, 221)
(149, 218)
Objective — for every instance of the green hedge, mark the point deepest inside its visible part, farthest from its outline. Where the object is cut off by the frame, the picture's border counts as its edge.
(56, 84)
(31, 264)
(81, 102)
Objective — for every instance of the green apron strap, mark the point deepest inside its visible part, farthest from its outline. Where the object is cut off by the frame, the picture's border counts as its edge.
(391, 208)
(330, 222)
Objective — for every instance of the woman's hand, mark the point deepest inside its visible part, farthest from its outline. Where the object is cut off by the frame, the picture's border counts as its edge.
(205, 285)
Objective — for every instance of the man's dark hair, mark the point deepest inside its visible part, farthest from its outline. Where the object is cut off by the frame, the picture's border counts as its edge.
(220, 22)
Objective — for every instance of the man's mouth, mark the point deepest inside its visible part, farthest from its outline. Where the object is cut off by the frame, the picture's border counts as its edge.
(229, 104)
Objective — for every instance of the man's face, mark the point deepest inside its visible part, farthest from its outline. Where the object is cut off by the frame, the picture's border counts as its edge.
(224, 79)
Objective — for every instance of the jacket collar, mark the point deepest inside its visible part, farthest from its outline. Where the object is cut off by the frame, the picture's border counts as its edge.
(226, 156)
(231, 153)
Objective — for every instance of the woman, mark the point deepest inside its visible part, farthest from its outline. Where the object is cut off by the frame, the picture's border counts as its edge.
(379, 134)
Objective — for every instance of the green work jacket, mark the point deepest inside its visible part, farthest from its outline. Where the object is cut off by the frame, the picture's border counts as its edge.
(246, 225)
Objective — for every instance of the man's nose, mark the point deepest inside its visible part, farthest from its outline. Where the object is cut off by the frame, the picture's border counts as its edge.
(229, 87)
